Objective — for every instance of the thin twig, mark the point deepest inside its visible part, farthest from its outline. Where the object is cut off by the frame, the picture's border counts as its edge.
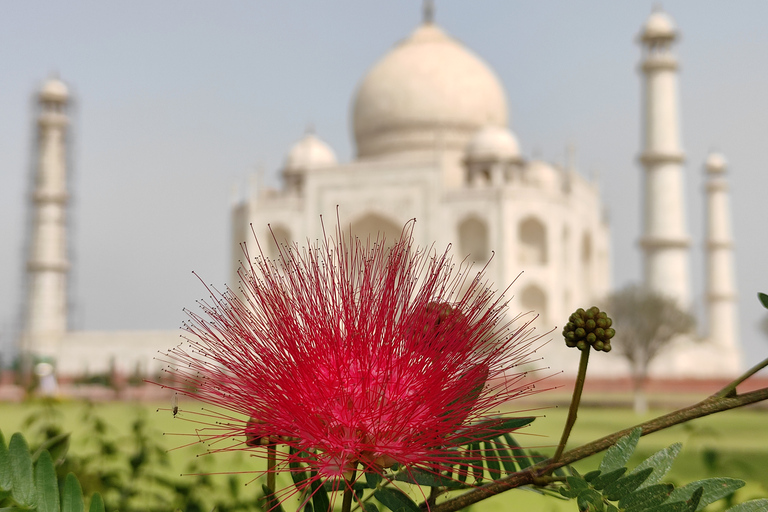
(574, 408)
(346, 505)
(730, 389)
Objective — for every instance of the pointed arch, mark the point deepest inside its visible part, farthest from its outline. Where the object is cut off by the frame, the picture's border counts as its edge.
(532, 235)
(473, 239)
(534, 299)
(373, 227)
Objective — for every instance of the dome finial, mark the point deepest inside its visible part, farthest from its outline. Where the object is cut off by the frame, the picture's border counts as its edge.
(429, 12)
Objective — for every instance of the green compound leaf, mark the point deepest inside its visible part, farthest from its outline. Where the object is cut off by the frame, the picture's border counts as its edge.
(57, 446)
(763, 299)
(46, 484)
(426, 478)
(72, 497)
(475, 461)
(23, 484)
(646, 498)
(626, 485)
(695, 501)
(296, 468)
(97, 504)
(713, 489)
(751, 506)
(505, 456)
(373, 479)
(678, 506)
(682, 506)
(489, 429)
(590, 500)
(661, 462)
(603, 480)
(276, 507)
(461, 472)
(617, 455)
(522, 458)
(6, 471)
(592, 475)
(367, 506)
(337, 484)
(492, 460)
(320, 499)
(576, 485)
(396, 500)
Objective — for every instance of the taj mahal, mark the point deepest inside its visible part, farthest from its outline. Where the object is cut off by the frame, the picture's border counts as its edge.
(434, 142)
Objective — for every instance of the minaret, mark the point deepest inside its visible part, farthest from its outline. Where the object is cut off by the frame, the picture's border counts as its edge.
(720, 298)
(665, 241)
(45, 308)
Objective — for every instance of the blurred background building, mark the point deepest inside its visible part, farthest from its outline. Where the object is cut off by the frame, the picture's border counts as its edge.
(433, 142)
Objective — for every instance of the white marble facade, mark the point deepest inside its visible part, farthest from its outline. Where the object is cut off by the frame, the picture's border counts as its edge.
(433, 142)
(430, 124)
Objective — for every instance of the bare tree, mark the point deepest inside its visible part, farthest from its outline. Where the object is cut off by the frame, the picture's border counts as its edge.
(646, 322)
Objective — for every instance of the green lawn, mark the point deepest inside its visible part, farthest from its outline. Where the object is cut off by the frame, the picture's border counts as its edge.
(735, 443)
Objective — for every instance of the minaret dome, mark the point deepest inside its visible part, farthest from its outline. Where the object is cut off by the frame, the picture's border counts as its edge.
(659, 26)
(55, 91)
(715, 164)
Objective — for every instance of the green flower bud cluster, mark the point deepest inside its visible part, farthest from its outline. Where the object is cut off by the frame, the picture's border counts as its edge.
(589, 328)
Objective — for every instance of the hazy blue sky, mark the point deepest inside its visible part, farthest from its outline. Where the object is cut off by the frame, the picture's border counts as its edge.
(177, 101)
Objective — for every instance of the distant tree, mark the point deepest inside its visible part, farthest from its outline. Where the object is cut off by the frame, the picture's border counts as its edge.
(646, 322)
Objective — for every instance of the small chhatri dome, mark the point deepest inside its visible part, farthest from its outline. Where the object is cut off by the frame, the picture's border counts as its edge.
(428, 93)
(310, 152)
(493, 143)
(54, 90)
(715, 163)
(542, 174)
(658, 26)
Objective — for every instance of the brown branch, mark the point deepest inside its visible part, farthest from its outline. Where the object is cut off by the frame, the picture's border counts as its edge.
(710, 405)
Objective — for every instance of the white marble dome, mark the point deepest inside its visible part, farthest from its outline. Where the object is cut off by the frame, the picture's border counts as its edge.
(310, 152)
(493, 143)
(715, 163)
(54, 90)
(542, 174)
(658, 26)
(429, 92)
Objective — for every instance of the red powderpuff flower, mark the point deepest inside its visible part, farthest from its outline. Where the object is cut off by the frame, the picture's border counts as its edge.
(357, 356)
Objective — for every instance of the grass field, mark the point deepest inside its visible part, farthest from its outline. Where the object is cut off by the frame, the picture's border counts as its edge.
(733, 443)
